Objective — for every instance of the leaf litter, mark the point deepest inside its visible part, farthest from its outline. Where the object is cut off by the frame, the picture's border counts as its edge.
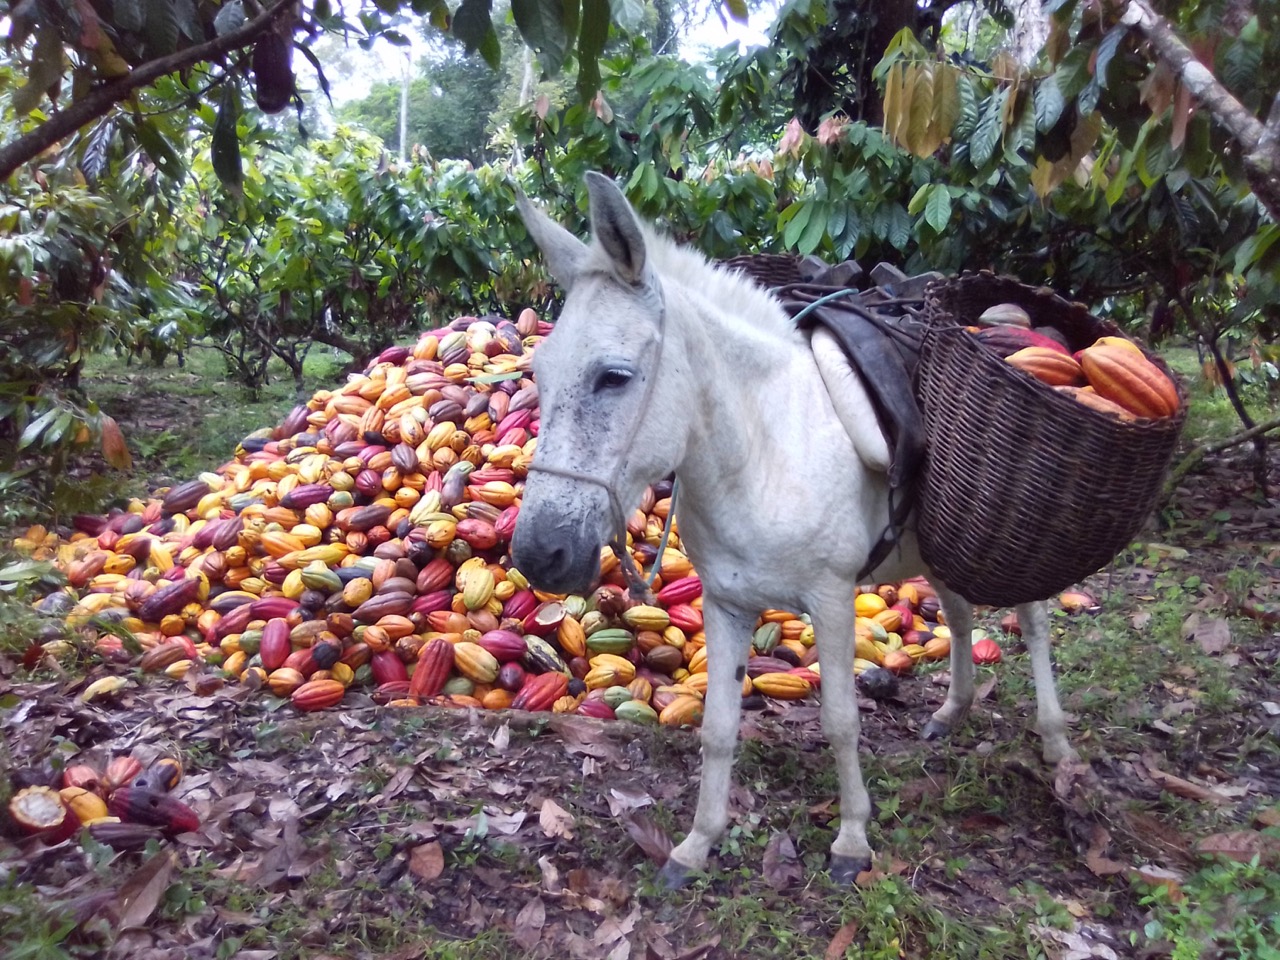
(425, 825)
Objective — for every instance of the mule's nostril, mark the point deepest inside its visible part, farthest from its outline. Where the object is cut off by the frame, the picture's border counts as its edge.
(557, 559)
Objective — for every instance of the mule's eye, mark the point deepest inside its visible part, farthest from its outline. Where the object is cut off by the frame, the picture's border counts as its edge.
(613, 378)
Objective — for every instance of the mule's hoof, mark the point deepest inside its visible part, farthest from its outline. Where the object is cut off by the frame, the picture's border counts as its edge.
(845, 870)
(674, 875)
(935, 730)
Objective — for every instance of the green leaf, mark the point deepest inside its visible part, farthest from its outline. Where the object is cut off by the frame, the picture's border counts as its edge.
(1106, 51)
(899, 226)
(795, 227)
(36, 427)
(813, 234)
(920, 198)
(541, 23)
(1256, 247)
(593, 33)
(986, 135)
(320, 77)
(968, 119)
(628, 14)
(937, 212)
(224, 147)
(161, 28)
(46, 70)
(472, 24)
(1049, 103)
(738, 10)
(1119, 183)
(128, 15)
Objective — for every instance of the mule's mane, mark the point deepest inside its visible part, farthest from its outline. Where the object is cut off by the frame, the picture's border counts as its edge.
(730, 291)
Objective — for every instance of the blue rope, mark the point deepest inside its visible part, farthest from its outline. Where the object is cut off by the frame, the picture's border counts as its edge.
(836, 295)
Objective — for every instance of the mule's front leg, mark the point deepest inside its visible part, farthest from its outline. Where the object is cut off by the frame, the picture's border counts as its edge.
(1051, 721)
(728, 640)
(833, 630)
(960, 692)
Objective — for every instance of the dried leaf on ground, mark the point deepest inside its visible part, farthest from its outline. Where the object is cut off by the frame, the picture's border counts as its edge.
(1242, 845)
(555, 820)
(1267, 818)
(649, 837)
(141, 893)
(1095, 857)
(426, 861)
(841, 942)
(1213, 634)
(1183, 788)
(529, 923)
(781, 863)
(624, 800)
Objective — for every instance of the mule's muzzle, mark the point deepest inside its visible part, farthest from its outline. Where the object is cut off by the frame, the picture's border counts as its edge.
(556, 562)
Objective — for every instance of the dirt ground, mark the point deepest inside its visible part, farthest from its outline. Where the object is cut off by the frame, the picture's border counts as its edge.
(374, 831)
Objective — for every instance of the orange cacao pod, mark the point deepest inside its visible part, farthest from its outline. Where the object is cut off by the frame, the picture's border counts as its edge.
(1128, 378)
(318, 694)
(1048, 366)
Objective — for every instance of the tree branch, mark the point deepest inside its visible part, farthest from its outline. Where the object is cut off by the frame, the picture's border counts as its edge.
(1259, 144)
(99, 100)
(1198, 453)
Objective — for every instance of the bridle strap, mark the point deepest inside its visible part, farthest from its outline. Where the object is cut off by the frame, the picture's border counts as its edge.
(637, 584)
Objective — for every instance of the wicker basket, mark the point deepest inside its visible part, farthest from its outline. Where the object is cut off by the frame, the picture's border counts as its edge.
(768, 269)
(1025, 491)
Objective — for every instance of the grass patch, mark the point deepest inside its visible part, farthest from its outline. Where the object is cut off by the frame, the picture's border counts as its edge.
(181, 421)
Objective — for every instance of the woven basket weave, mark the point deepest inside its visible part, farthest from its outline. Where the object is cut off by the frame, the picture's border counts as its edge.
(1025, 491)
(768, 269)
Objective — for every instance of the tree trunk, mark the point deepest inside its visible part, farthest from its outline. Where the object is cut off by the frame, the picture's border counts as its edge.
(1259, 143)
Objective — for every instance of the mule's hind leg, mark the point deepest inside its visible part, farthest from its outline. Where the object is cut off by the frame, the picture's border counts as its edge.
(960, 692)
(833, 629)
(1052, 723)
(728, 641)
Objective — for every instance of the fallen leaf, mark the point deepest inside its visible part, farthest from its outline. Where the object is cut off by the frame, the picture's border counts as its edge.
(1140, 620)
(1095, 857)
(529, 923)
(649, 837)
(1242, 845)
(1214, 636)
(501, 738)
(781, 863)
(1171, 880)
(395, 786)
(550, 875)
(140, 894)
(507, 824)
(1076, 908)
(555, 820)
(842, 941)
(1183, 788)
(624, 800)
(1267, 818)
(426, 861)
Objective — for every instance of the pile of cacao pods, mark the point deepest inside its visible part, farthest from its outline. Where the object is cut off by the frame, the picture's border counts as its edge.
(362, 544)
(123, 806)
(1112, 375)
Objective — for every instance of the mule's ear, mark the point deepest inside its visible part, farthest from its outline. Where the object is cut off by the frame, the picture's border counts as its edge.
(563, 252)
(615, 225)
